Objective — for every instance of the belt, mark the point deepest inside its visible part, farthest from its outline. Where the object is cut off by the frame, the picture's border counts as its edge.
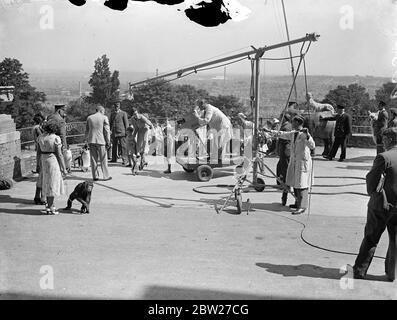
(49, 152)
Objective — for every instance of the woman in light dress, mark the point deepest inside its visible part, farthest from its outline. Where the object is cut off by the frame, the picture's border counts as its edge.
(142, 125)
(52, 165)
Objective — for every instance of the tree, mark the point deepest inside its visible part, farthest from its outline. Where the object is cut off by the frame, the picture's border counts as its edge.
(228, 104)
(27, 100)
(79, 110)
(384, 93)
(104, 84)
(354, 97)
(161, 99)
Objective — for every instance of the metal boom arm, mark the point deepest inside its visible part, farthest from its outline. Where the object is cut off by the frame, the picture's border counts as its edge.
(260, 51)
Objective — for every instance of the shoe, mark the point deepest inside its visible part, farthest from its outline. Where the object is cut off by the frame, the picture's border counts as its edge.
(389, 277)
(329, 158)
(128, 165)
(341, 160)
(95, 179)
(358, 276)
(293, 206)
(39, 201)
(298, 211)
(325, 156)
(113, 161)
(107, 179)
(167, 171)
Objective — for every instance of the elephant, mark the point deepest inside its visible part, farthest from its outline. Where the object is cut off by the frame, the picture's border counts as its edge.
(323, 130)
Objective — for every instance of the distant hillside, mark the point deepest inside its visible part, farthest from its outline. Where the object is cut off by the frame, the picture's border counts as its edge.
(64, 86)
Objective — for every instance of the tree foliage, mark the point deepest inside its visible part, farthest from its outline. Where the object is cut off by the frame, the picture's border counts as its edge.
(104, 84)
(162, 99)
(384, 93)
(354, 97)
(79, 110)
(27, 100)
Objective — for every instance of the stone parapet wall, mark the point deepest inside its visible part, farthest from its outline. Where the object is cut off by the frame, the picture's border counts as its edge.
(12, 164)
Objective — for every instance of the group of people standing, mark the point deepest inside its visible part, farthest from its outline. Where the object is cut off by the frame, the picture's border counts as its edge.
(129, 137)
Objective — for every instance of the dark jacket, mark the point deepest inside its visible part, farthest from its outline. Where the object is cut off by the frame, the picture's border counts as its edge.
(119, 123)
(62, 127)
(283, 145)
(380, 124)
(343, 124)
(392, 123)
(385, 162)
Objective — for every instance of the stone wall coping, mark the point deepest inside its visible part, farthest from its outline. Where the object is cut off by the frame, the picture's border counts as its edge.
(10, 136)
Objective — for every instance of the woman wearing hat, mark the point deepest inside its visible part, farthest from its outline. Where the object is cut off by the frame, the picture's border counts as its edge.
(299, 171)
(53, 167)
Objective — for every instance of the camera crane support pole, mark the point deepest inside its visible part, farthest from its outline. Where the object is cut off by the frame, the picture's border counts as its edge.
(258, 56)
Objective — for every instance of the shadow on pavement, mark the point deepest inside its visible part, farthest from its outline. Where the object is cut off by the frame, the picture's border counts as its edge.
(302, 270)
(312, 271)
(361, 159)
(177, 293)
(9, 199)
(28, 212)
(275, 206)
(366, 168)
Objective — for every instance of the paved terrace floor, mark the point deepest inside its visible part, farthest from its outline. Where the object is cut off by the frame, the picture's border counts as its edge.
(152, 237)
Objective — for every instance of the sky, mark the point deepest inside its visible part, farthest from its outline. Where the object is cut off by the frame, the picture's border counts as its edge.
(357, 37)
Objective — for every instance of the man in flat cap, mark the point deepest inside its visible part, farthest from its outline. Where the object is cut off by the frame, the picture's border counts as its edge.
(343, 129)
(393, 121)
(59, 116)
(118, 126)
(382, 208)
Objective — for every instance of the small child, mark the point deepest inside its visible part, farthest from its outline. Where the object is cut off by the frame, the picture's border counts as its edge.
(67, 156)
(85, 158)
(132, 153)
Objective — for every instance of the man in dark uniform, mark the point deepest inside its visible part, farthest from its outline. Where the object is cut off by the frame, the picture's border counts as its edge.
(59, 116)
(379, 125)
(382, 211)
(284, 152)
(118, 126)
(343, 129)
(393, 121)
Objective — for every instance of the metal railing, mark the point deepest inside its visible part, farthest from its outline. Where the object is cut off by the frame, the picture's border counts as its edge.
(75, 132)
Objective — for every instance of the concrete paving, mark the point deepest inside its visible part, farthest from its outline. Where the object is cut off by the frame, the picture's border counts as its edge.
(152, 237)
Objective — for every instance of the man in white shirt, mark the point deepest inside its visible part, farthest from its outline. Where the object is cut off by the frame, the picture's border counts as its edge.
(98, 137)
(218, 124)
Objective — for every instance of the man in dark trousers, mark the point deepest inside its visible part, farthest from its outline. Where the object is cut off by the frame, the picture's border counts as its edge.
(343, 129)
(59, 116)
(380, 124)
(382, 210)
(284, 152)
(118, 126)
